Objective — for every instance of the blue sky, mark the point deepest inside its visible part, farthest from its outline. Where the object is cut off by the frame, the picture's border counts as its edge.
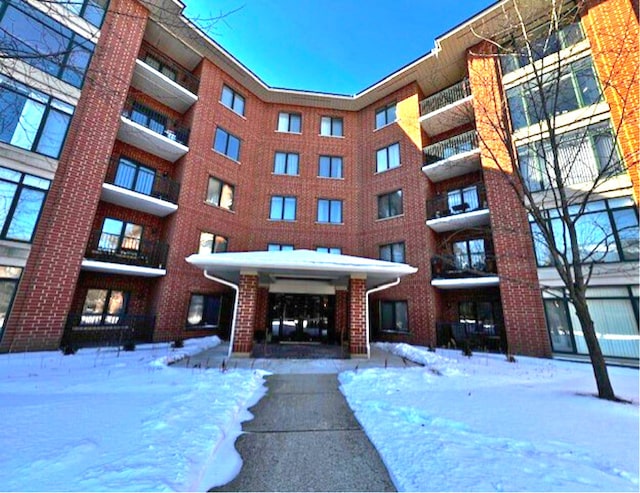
(337, 46)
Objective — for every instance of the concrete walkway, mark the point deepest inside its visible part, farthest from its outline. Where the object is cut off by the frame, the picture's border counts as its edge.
(304, 437)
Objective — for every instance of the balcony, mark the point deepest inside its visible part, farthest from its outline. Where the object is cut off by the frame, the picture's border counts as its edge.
(452, 157)
(464, 271)
(458, 209)
(137, 187)
(152, 131)
(114, 254)
(447, 109)
(475, 335)
(164, 80)
(98, 330)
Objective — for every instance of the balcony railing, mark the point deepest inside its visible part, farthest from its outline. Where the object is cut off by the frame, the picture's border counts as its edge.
(96, 330)
(477, 264)
(167, 67)
(128, 175)
(108, 247)
(459, 144)
(460, 201)
(155, 121)
(445, 97)
(481, 335)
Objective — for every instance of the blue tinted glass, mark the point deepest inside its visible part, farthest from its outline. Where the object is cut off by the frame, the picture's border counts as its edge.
(25, 215)
(53, 134)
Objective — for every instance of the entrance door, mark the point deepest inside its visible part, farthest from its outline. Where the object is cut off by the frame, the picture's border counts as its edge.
(302, 318)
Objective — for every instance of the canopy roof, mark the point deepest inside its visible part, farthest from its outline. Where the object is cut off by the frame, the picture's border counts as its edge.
(301, 265)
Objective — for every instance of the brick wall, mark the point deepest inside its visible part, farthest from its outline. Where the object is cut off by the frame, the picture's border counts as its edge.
(245, 323)
(357, 310)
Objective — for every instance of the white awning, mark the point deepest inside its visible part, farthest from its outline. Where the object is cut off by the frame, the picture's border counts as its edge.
(272, 267)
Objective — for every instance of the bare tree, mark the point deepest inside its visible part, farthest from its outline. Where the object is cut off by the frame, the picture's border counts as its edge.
(551, 134)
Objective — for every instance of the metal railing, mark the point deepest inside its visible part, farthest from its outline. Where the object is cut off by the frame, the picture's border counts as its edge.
(486, 335)
(445, 97)
(163, 64)
(453, 146)
(155, 121)
(121, 249)
(477, 264)
(96, 330)
(459, 201)
(138, 178)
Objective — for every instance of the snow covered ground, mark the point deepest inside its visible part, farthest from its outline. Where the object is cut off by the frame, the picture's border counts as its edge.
(107, 421)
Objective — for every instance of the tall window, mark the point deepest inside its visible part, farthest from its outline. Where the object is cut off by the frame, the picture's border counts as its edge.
(330, 167)
(160, 66)
(576, 86)
(212, 243)
(9, 277)
(31, 120)
(227, 144)
(145, 116)
(334, 250)
(232, 100)
(386, 115)
(290, 122)
(388, 157)
(331, 126)
(329, 211)
(283, 208)
(394, 316)
(463, 200)
(279, 247)
(220, 194)
(470, 255)
(134, 176)
(607, 232)
(204, 311)
(286, 163)
(118, 236)
(21, 200)
(32, 36)
(392, 252)
(390, 204)
(584, 155)
(92, 11)
(104, 307)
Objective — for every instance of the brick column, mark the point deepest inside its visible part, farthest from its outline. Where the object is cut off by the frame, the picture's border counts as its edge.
(342, 313)
(247, 301)
(524, 319)
(46, 290)
(357, 318)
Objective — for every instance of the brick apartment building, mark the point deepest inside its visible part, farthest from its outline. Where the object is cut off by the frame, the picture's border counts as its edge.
(130, 141)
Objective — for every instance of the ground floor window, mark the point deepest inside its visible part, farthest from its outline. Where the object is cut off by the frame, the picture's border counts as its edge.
(204, 311)
(615, 315)
(394, 316)
(104, 307)
(9, 277)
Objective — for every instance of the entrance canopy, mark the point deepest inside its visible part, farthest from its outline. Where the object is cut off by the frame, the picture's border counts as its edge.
(288, 268)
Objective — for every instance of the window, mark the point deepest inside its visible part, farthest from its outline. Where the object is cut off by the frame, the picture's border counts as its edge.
(329, 211)
(388, 157)
(480, 313)
(334, 250)
(290, 122)
(211, 243)
(576, 86)
(386, 115)
(283, 208)
(119, 236)
(390, 204)
(92, 11)
(227, 144)
(153, 120)
(607, 232)
(583, 155)
(394, 316)
(204, 311)
(32, 36)
(21, 200)
(104, 307)
(278, 247)
(392, 252)
(331, 126)
(286, 163)
(32, 120)
(134, 176)
(9, 277)
(469, 255)
(232, 100)
(220, 194)
(160, 66)
(463, 200)
(330, 167)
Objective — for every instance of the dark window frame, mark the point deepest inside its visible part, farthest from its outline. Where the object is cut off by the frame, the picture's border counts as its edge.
(385, 114)
(291, 117)
(331, 204)
(335, 166)
(387, 153)
(235, 96)
(394, 304)
(333, 121)
(228, 137)
(214, 243)
(385, 205)
(222, 186)
(288, 156)
(393, 249)
(283, 199)
(209, 309)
